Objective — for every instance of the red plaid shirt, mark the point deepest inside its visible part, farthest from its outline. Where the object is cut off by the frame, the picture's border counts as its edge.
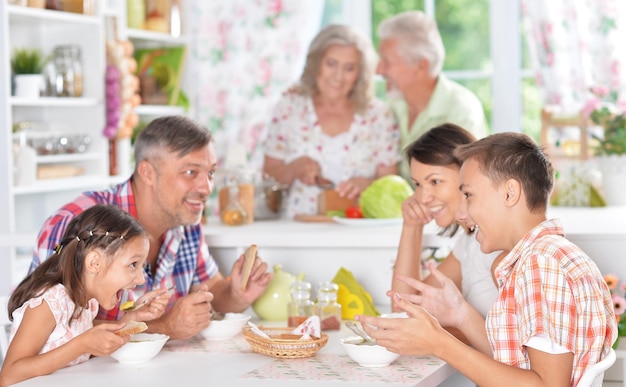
(550, 286)
(183, 260)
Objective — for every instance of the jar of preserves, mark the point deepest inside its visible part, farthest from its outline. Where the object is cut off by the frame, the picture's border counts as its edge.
(327, 307)
(301, 307)
(68, 71)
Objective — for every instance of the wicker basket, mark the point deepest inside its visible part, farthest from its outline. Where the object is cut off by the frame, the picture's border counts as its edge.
(283, 343)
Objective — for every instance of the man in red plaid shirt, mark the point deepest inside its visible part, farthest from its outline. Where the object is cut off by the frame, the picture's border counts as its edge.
(173, 178)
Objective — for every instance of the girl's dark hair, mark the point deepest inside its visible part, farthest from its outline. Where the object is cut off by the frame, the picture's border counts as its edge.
(437, 147)
(103, 227)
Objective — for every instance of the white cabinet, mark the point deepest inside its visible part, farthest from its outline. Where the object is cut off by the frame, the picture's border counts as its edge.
(24, 207)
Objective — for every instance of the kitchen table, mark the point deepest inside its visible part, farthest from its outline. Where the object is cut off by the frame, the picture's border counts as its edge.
(199, 362)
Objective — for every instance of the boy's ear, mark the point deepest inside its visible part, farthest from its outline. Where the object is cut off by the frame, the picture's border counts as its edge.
(512, 192)
(93, 262)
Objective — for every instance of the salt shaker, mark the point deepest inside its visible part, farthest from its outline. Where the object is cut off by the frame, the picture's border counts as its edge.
(301, 307)
(327, 307)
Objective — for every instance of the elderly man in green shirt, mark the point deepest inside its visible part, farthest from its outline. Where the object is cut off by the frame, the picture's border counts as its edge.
(411, 57)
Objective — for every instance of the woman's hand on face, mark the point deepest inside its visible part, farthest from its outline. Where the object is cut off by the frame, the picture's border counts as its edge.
(306, 170)
(353, 187)
(414, 213)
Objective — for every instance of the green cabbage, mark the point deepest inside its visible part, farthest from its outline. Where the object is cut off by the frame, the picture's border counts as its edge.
(384, 197)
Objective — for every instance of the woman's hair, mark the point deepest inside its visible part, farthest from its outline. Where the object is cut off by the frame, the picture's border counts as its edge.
(106, 228)
(504, 156)
(437, 147)
(418, 38)
(176, 134)
(340, 35)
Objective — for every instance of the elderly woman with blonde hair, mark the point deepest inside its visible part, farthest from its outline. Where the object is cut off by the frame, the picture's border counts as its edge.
(330, 124)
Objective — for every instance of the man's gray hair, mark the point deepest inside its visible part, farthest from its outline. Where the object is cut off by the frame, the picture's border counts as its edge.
(418, 38)
(170, 134)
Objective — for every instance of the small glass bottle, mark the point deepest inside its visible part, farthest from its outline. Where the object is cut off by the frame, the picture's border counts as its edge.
(234, 214)
(301, 307)
(327, 307)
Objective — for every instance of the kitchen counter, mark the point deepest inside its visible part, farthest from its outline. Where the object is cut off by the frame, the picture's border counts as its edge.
(320, 249)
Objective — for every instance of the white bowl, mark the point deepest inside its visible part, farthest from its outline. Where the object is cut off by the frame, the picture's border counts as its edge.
(367, 355)
(227, 328)
(395, 315)
(141, 348)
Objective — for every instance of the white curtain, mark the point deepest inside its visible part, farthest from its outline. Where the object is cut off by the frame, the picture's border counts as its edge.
(576, 45)
(243, 54)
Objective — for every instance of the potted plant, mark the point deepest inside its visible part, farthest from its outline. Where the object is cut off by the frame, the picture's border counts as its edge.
(26, 65)
(607, 110)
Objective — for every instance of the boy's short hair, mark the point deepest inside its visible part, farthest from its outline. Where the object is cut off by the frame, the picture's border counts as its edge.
(509, 155)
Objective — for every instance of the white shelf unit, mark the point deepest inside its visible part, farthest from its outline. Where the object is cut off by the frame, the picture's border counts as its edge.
(25, 207)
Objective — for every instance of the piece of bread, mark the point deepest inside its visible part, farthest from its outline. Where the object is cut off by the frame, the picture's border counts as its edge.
(131, 328)
(248, 263)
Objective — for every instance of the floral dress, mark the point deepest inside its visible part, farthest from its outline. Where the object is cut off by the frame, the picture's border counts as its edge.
(62, 308)
(371, 141)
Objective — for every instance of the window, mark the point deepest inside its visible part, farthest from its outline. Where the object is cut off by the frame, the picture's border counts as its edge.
(483, 41)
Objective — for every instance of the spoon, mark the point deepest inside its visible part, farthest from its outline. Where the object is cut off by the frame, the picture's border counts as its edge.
(130, 306)
(356, 328)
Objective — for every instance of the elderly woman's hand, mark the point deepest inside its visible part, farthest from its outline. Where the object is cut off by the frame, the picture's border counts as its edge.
(353, 187)
(306, 169)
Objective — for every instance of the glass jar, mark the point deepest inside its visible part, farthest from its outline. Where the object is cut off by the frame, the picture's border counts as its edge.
(301, 307)
(68, 70)
(234, 214)
(327, 307)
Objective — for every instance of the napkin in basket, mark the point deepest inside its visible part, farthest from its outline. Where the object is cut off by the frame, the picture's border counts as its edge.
(310, 327)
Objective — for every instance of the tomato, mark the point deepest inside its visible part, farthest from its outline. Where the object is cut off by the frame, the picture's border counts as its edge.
(354, 212)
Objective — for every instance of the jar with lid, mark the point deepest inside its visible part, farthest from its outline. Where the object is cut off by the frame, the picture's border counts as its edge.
(68, 71)
(301, 307)
(327, 307)
(234, 214)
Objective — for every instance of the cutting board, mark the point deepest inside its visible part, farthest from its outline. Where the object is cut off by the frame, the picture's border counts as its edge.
(312, 218)
(329, 200)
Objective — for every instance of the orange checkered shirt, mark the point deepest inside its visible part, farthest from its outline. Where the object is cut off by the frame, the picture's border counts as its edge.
(549, 286)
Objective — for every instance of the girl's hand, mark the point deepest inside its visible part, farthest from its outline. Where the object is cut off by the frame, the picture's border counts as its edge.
(157, 302)
(101, 341)
(413, 213)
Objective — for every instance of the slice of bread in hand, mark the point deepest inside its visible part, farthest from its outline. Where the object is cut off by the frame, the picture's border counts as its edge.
(248, 263)
(131, 328)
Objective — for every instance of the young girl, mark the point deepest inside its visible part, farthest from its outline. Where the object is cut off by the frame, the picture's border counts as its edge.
(101, 255)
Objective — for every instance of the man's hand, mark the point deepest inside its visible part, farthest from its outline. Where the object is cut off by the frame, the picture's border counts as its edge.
(258, 281)
(188, 316)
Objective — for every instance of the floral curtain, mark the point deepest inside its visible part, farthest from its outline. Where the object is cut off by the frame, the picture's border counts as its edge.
(576, 45)
(243, 54)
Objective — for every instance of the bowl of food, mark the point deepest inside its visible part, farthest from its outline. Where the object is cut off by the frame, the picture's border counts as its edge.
(226, 327)
(366, 354)
(141, 348)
